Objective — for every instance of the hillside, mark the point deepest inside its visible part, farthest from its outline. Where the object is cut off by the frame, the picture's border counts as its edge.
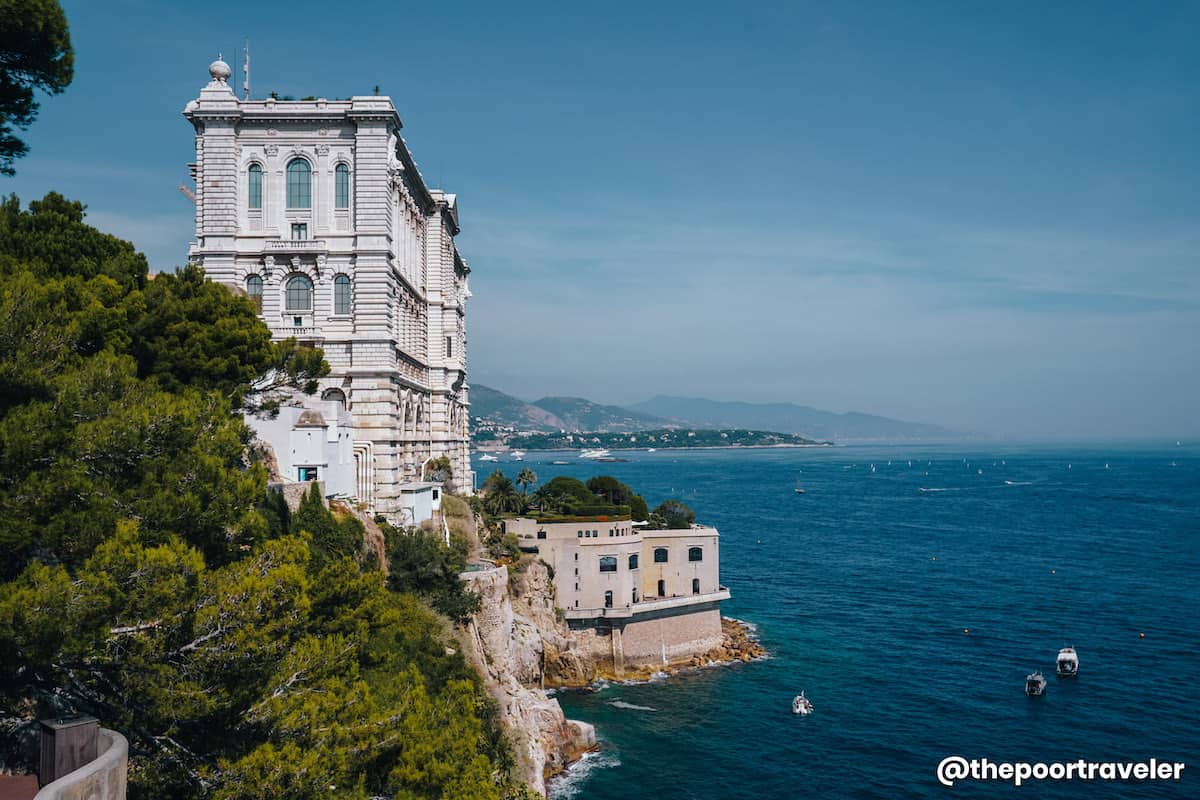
(660, 438)
(504, 410)
(580, 414)
(789, 418)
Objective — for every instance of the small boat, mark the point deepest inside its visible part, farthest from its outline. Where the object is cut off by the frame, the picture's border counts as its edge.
(560, 463)
(799, 490)
(1035, 684)
(488, 457)
(1068, 663)
(651, 449)
(598, 452)
(517, 455)
(801, 705)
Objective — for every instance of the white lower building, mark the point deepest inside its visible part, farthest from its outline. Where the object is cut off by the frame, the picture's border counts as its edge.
(316, 209)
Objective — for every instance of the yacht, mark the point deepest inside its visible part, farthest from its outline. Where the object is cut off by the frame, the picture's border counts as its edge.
(801, 705)
(488, 457)
(598, 452)
(517, 455)
(1035, 684)
(1068, 663)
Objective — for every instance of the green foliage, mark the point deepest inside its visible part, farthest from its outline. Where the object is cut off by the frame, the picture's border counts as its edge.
(570, 487)
(500, 496)
(673, 515)
(420, 563)
(638, 509)
(36, 54)
(526, 478)
(147, 576)
(332, 537)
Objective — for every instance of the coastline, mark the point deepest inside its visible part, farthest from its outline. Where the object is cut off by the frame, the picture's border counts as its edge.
(615, 449)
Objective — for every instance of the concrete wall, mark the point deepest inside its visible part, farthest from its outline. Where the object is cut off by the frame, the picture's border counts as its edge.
(102, 779)
(643, 641)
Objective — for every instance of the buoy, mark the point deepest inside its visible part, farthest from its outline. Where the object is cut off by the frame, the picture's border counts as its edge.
(968, 630)
(1053, 572)
(1141, 635)
(934, 558)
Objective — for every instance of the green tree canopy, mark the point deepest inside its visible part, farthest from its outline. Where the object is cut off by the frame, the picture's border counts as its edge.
(35, 53)
(674, 514)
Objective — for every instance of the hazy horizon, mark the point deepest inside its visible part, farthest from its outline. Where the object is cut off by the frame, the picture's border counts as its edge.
(978, 217)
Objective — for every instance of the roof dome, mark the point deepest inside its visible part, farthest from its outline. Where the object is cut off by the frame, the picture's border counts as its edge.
(219, 70)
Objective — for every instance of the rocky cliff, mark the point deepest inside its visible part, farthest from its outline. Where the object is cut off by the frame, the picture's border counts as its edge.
(509, 650)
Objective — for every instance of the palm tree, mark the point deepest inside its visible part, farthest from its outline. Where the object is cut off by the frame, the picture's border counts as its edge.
(526, 478)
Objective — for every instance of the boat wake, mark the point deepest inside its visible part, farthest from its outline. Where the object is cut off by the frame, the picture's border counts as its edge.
(630, 706)
(571, 783)
(1018, 483)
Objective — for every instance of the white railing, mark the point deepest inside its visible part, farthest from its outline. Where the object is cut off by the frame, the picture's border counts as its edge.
(646, 606)
(298, 331)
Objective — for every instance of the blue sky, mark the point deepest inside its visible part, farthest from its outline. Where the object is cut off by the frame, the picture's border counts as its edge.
(979, 215)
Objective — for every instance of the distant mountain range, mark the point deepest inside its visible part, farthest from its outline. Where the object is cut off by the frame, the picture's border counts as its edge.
(790, 418)
(572, 414)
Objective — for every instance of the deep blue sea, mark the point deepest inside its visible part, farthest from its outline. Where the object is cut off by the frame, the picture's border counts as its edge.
(861, 590)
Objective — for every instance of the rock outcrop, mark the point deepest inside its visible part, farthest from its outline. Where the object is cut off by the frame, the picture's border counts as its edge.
(508, 650)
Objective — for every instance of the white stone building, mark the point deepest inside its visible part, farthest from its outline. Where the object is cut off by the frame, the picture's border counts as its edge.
(316, 209)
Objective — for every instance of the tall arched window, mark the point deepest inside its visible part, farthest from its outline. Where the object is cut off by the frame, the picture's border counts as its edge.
(695, 554)
(341, 186)
(299, 184)
(299, 294)
(341, 295)
(695, 586)
(254, 290)
(608, 599)
(633, 560)
(254, 186)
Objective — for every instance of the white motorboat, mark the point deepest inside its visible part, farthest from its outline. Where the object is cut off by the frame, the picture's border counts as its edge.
(488, 457)
(801, 705)
(1035, 684)
(1068, 663)
(517, 455)
(598, 452)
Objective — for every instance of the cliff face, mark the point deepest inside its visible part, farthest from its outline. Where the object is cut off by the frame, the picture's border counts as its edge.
(508, 651)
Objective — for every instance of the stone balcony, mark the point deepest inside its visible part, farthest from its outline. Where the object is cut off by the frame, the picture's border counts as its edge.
(303, 333)
(295, 246)
(645, 606)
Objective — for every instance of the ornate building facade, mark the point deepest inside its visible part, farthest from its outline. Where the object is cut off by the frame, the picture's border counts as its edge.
(316, 209)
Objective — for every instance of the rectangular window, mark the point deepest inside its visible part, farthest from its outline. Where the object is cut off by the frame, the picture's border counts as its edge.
(449, 346)
(308, 473)
(608, 563)
(299, 231)
(298, 321)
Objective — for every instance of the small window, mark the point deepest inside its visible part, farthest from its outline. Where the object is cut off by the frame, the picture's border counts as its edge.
(335, 395)
(608, 599)
(579, 534)
(541, 534)
(449, 346)
(695, 586)
(435, 494)
(299, 294)
(660, 555)
(254, 288)
(577, 558)
(308, 473)
(299, 184)
(341, 295)
(299, 231)
(633, 561)
(341, 186)
(635, 595)
(608, 563)
(254, 187)
(577, 587)
(695, 554)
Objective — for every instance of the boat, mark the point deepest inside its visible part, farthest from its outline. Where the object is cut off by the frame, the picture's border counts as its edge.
(651, 449)
(1035, 684)
(799, 490)
(801, 705)
(598, 452)
(560, 463)
(517, 455)
(488, 457)
(1068, 663)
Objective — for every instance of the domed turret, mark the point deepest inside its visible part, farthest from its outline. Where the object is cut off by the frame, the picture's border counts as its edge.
(219, 70)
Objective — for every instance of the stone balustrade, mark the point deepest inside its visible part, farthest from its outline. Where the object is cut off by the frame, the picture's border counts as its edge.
(100, 779)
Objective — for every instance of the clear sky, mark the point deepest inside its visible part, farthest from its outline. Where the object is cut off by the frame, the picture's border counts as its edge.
(982, 215)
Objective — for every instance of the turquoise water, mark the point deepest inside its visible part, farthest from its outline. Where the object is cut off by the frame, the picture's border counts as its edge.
(860, 590)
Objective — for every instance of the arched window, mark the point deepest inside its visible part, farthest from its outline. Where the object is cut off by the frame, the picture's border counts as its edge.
(341, 295)
(254, 290)
(695, 586)
(336, 395)
(608, 563)
(341, 186)
(633, 561)
(299, 293)
(660, 555)
(695, 554)
(254, 186)
(299, 184)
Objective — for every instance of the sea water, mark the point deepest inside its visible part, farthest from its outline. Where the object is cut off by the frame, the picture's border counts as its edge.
(911, 619)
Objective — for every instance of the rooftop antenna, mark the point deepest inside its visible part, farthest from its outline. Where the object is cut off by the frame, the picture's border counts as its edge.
(246, 73)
